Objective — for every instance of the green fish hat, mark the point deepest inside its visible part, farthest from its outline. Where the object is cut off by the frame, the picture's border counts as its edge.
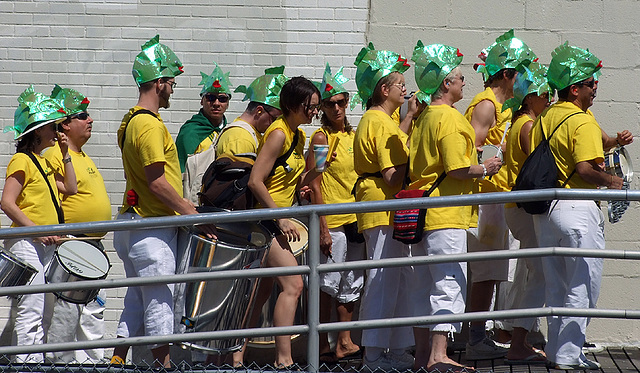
(155, 61)
(532, 79)
(332, 84)
(432, 64)
(73, 101)
(373, 65)
(35, 110)
(266, 88)
(508, 52)
(216, 82)
(570, 65)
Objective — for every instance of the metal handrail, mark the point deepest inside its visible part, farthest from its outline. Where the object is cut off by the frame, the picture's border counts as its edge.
(313, 270)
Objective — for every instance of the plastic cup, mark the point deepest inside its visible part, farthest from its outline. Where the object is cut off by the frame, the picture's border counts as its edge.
(320, 152)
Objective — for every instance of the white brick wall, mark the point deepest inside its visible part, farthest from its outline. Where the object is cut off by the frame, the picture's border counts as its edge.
(90, 46)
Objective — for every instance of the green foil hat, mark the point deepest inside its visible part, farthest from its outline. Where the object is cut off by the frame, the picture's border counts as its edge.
(332, 84)
(433, 63)
(217, 82)
(508, 52)
(266, 88)
(570, 65)
(373, 65)
(155, 61)
(35, 110)
(532, 79)
(72, 101)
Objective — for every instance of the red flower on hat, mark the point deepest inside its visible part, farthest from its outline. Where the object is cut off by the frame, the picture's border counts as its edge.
(181, 69)
(216, 84)
(458, 53)
(85, 101)
(61, 110)
(328, 88)
(599, 64)
(536, 60)
(403, 60)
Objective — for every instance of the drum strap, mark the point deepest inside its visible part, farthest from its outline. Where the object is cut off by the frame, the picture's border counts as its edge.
(282, 160)
(54, 198)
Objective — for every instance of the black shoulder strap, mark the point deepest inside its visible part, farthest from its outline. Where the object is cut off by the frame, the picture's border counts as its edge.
(554, 131)
(282, 160)
(54, 199)
(124, 133)
(435, 185)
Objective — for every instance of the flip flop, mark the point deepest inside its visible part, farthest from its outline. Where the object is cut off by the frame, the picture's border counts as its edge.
(353, 356)
(330, 358)
(449, 368)
(535, 359)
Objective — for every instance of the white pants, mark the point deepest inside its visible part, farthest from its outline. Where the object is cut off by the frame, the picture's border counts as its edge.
(344, 286)
(527, 290)
(572, 282)
(77, 322)
(442, 287)
(32, 311)
(489, 270)
(386, 291)
(148, 310)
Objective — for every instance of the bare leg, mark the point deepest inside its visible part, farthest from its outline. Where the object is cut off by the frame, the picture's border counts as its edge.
(120, 354)
(480, 300)
(161, 355)
(423, 348)
(439, 349)
(520, 349)
(345, 345)
(325, 316)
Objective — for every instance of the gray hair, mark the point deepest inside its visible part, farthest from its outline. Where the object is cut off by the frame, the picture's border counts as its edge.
(440, 92)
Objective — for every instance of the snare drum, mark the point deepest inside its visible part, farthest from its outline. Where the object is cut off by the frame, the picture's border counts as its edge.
(77, 260)
(617, 162)
(299, 249)
(489, 151)
(13, 270)
(223, 304)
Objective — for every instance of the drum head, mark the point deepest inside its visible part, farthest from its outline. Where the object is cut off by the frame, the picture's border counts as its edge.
(298, 247)
(83, 259)
(489, 151)
(244, 234)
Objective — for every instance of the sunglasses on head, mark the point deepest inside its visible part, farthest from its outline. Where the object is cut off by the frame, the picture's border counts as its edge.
(213, 97)
(81, 116)
(331, 104)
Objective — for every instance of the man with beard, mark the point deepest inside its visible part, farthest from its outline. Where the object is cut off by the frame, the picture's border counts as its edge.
(154, 188)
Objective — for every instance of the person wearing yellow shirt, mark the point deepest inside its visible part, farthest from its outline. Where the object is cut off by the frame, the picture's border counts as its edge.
(531, 97)
(29, 198)
(442, 143)
(339, 241)
(274, 185)
(153, 188)
(577, 146)
(380, 157)
(72, 322)
(490, 122)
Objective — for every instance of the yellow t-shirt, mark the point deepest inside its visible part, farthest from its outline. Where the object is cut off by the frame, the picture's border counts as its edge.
(282, 185)
(237, 140)
(498, 182)
(338, 178)
(91, 203)
(442, 141)
(34, 199)
(577, 140)
(514, 156)
(206, 143)
(148, 141)
(379, 144)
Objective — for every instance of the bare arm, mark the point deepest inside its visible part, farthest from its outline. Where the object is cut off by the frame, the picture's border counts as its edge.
(67, 184)
(393, 175)
(622, 138)
(591, 172)
(525, 142)
(482, 119)
(476, 171)
(316, 193)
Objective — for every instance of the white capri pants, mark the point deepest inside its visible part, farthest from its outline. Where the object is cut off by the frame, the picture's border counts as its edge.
(148, 310)
(489, 270)
(387, 291)
(572, 282)
(442, 287)
(344, 286)
(32, 311)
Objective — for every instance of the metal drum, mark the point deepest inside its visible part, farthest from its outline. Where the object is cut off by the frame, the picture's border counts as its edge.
(13, 270)
(223, 304)
(489, 151)
(618, 163)
(77, 260)
(299, 250)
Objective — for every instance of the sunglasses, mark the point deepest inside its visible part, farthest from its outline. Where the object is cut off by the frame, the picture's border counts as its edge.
(81, 116)
(589, 84)
(331, 104)
(312, 108)
(212, 98)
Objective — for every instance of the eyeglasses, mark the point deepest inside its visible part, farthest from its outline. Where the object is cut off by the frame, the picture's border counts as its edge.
(273, 117)
(400, 85)
(212, 98)
(172, 84)
(589, 84)
(82, 116)
(331, 104)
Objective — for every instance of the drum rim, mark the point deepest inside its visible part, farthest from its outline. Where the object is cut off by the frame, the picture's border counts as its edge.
(56, 256)
(491, 146)
(11, 257)
(227, 245)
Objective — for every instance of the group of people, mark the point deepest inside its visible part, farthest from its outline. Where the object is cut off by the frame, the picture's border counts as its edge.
(433, 146)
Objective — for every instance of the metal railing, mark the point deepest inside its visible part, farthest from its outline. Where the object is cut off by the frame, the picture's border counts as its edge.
(313, 269)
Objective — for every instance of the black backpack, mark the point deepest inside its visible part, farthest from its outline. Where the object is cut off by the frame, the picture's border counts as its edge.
(225, 185)
(539, 171)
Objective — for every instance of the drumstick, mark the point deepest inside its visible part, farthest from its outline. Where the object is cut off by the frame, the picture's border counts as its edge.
(504, 135)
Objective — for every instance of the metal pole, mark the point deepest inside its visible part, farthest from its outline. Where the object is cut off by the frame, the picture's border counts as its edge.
(313, 255)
